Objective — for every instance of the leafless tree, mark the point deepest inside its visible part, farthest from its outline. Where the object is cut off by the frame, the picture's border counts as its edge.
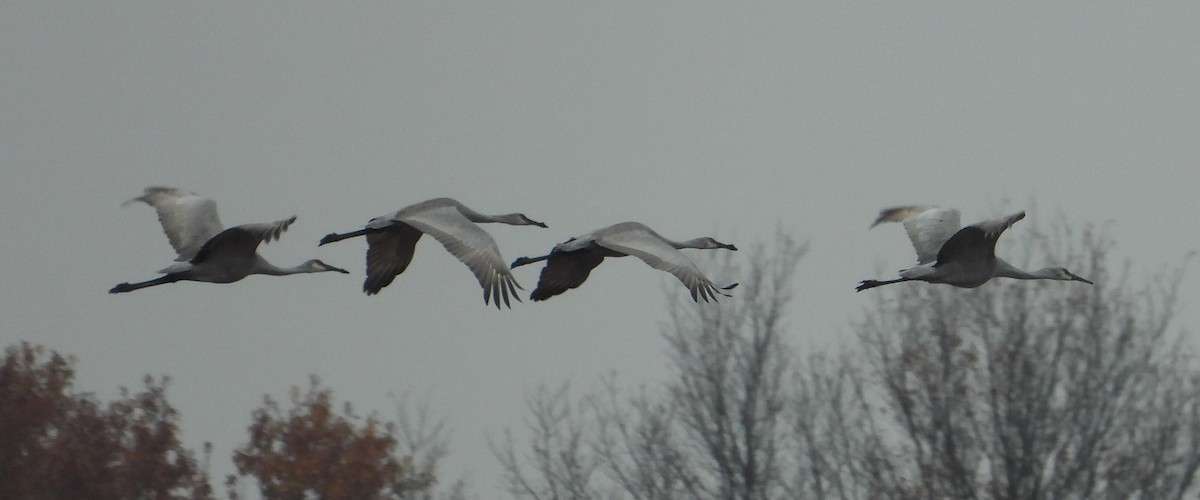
(1014, 390)
(710, 432)
(834, 428)
(421, 435)
(729, 388)
(561, 465)
(1035, 390)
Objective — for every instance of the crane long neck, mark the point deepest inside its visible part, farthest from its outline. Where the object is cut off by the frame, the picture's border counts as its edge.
(270, 269)
(696, 243)
(514, 219)
(1006, 270)
(511, 219)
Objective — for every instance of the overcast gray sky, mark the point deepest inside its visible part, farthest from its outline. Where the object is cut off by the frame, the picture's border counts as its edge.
(696, 118)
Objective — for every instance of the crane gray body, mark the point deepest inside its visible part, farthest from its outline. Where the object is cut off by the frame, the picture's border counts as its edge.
(962, 257)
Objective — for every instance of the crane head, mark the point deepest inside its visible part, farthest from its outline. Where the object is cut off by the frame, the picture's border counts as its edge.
(530, 222)
(712, 243)
(317, 266)
(1061, 273)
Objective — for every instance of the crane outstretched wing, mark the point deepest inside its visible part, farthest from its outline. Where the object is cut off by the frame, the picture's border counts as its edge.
(241, 241)
(265, 232)
(927, 227)
(659, 254)
(188, 219)
(388, 254)
(471, 245)
(976, 243)
(564, 271)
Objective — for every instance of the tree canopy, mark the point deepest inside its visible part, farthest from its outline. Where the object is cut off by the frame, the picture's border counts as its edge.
(57, 443)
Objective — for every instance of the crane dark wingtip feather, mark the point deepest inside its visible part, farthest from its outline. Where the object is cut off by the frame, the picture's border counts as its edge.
(506, 287)
(539, 294)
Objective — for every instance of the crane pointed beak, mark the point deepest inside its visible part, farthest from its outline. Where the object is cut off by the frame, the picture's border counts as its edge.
(331, 268)
(1080, 278)
(729, 247)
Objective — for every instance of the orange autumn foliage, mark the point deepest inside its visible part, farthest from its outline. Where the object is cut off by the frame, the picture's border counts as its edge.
(55, 443)
(314, 451)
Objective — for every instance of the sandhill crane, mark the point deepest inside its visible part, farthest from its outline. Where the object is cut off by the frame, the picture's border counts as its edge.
(206, 253)
(570, 263)
(963, 257)
(392, 238)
